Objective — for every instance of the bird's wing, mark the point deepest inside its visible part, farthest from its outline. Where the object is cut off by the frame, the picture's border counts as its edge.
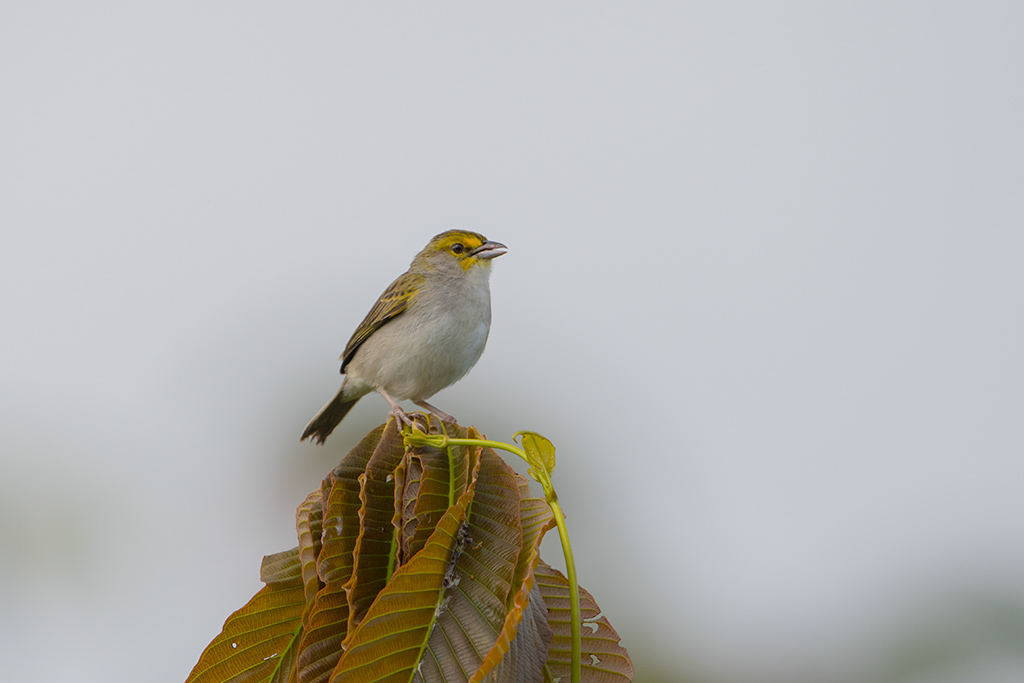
(391, 303)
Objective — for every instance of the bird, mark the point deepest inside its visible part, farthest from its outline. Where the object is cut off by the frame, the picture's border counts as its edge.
(424, 333)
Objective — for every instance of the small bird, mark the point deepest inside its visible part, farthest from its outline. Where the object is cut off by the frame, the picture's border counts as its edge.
(426, 331)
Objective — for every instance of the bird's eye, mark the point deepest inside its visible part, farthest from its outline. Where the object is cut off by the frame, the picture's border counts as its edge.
(458, 248)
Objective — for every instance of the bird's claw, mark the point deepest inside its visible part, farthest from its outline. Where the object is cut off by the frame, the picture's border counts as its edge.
(402, 417)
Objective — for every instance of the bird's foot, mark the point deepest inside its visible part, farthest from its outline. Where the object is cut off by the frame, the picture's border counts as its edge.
(403, 418)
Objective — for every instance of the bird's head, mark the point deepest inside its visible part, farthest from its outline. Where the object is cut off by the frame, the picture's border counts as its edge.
(458, 251)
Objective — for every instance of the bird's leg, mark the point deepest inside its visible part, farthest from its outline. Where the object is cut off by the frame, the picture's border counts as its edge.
(436, 411)
(396, 410)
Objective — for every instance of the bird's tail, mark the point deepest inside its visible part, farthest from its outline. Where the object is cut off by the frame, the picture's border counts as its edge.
(321, 426)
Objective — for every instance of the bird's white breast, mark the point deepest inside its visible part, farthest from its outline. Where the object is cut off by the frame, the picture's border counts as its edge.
(433, 344)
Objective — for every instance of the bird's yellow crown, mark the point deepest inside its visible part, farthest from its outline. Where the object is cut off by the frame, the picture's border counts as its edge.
(459, 244)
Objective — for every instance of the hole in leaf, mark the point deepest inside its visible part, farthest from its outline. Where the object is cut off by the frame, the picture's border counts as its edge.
(594, 660)
(591, 625)
(389, 478)
(234, 645)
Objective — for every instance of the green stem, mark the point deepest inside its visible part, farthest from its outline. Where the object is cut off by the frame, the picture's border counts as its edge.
(392, 553)
(574, 588)
(489, 444)
(451, 478)
(451, 465)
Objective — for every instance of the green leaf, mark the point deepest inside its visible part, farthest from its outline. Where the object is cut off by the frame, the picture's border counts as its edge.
(257, 643)
(539, 450)
(603, 659)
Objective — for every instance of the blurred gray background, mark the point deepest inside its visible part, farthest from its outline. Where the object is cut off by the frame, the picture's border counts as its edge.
(763, 291)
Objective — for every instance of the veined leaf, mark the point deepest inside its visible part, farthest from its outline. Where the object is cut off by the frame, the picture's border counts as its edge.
(524, 658)
(309, 519)
(376, 540)
(257, 643)
(524, 486)
(327, 623)
(281, 567)
(389, 641)
(603, 659)
(431, 496)
(341, 502)
(537, 519)
(390, 584)
(479, 578)
(433, 475)
(407, 483)
(464, 458)
(520, 650)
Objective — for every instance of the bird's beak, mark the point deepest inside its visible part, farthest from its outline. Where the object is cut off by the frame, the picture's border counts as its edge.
(489, 250)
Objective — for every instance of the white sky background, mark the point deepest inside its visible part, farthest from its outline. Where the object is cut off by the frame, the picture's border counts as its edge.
(763, 291)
